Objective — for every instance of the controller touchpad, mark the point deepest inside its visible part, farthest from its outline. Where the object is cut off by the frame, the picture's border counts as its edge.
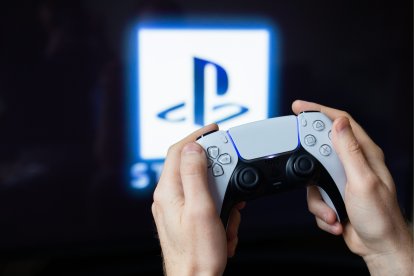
(266, 138)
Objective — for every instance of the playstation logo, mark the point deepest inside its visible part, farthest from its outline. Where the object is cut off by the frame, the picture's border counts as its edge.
(199, 92)
(190, 75)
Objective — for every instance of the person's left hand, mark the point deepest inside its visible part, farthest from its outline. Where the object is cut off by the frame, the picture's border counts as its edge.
(192, 237)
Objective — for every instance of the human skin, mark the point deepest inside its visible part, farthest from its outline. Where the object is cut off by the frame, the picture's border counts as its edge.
(194, 241)
(376, 230)
(192, 236)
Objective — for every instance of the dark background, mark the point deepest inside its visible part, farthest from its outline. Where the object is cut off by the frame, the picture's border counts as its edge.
(64, 205)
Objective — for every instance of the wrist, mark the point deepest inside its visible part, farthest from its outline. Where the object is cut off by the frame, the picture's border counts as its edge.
(191, 272)
(389, 264)
(395, 262)
(185, 269)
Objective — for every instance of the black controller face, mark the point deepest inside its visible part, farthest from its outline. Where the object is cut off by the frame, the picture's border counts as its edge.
(274, 156)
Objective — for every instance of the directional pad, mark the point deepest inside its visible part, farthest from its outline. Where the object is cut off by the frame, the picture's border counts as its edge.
(217, 170)
(213, 152)
(215, 160)
(224, 159)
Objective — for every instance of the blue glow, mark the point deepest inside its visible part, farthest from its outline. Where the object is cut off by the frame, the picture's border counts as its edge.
(145, 179)
(139, 183)
(234, 145)
(139, 176)
(297, 130)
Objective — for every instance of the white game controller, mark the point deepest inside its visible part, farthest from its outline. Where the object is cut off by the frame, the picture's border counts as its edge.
(271, 156)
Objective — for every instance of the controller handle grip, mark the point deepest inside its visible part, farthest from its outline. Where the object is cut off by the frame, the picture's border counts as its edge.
(330, 193)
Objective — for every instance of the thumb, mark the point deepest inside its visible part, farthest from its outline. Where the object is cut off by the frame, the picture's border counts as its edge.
(350, 152)
(194, 176)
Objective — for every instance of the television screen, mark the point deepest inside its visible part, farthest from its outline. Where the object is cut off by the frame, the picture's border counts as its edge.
(93, 93)
(212, 73)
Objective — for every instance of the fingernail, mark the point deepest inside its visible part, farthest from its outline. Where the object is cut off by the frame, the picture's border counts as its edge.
(342, 125)
(191, 148)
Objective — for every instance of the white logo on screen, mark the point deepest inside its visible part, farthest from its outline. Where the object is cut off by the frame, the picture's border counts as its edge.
(192, 77)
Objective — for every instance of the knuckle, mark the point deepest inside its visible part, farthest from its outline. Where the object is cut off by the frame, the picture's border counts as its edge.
(154, 209)
(172, 149)
(379, 153)
(312, 199)
(345, 114)
(313, 207)
(371, 180)
(157, 196)
(353, 146)
(319, 222)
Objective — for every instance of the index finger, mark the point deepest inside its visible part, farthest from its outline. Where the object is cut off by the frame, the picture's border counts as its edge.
(300, 106)
(364, 140)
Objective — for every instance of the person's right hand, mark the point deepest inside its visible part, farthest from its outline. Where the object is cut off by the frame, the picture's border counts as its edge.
(376, 230)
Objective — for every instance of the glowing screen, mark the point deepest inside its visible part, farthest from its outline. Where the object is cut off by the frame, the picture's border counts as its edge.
(186, 76)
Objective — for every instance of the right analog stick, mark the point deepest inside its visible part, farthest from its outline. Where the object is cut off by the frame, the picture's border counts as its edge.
(247, 179)
(303, 166)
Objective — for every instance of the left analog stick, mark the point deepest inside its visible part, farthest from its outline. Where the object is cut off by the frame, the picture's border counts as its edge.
(247, 179)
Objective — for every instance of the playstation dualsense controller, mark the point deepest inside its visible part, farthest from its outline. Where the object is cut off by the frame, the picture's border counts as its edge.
(272, 156)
